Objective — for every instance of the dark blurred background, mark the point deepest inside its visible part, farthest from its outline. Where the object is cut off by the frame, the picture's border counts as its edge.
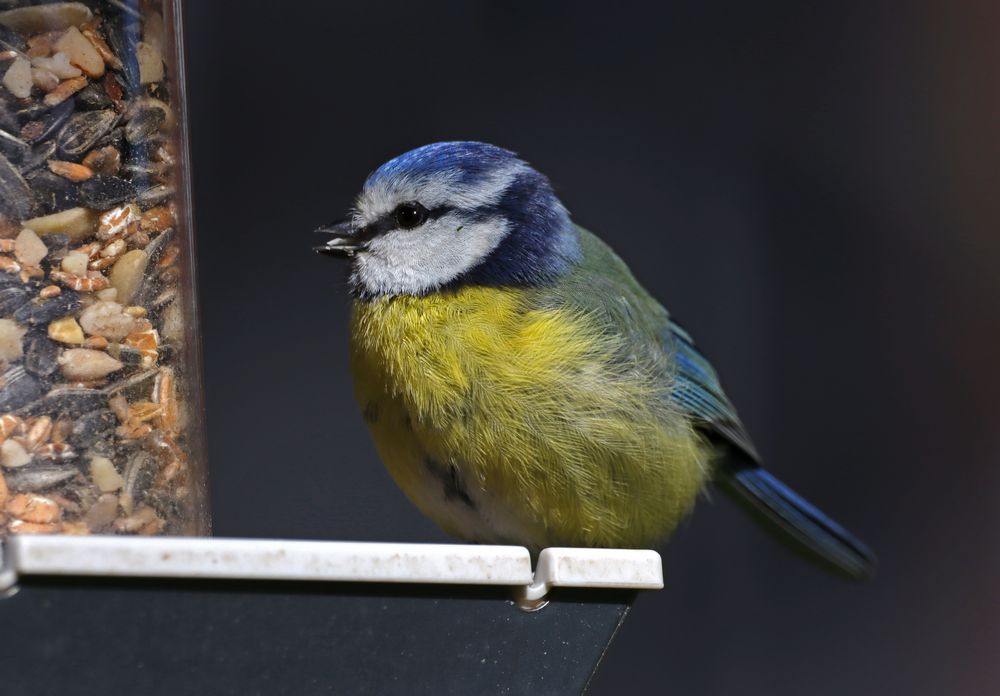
(812, 190)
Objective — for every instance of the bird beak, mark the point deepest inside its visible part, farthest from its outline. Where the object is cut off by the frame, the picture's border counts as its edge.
(344, 241)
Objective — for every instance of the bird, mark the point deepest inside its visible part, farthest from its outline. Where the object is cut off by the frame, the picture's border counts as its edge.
(522, 387)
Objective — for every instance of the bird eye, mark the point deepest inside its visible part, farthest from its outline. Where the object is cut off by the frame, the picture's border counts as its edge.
(410, 215)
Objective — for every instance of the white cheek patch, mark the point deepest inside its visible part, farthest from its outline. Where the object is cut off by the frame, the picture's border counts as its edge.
(418, 261)
(435, 190)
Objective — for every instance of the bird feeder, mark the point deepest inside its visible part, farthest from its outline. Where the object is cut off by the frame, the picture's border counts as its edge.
(101, 403)
(107, 584)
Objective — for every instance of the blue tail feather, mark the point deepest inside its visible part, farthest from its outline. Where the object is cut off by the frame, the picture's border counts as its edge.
(798, 522)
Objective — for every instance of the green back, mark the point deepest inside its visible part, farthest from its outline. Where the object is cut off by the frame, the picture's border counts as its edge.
(603, 287)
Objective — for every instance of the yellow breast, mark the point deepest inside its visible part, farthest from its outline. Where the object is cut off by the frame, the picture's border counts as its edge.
(506, 422)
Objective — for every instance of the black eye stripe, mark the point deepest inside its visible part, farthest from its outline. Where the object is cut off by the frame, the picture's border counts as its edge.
(387, 222)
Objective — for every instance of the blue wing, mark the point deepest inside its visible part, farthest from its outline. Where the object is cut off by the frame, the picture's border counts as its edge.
(792, 518)
(698, 392)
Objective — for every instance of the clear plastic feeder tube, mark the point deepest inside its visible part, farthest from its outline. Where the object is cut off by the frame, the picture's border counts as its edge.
(101, 417)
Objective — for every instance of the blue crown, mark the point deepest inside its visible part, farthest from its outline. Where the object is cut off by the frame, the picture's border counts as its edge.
(468, 161)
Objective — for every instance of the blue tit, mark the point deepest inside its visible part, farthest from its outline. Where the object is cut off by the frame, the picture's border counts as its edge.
(521, 386)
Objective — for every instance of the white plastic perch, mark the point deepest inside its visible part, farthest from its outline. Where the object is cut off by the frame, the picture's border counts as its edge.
(329, 561)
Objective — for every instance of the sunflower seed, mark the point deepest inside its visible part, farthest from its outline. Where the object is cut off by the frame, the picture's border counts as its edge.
(12, 146)
(48, 310)
(19, 388)
(103, 192)
(73, 401)
(144, 124)
(91, 427)
(93, 97)
(122, 38)
(15, 196)
(40, 477)
(10, 40)
(39, 155)
(84, 129)
(40, 355)
(13, 298)
(155, 195)
(52, 192)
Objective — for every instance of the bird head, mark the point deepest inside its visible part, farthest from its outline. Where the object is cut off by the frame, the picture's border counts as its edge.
(450, 214)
